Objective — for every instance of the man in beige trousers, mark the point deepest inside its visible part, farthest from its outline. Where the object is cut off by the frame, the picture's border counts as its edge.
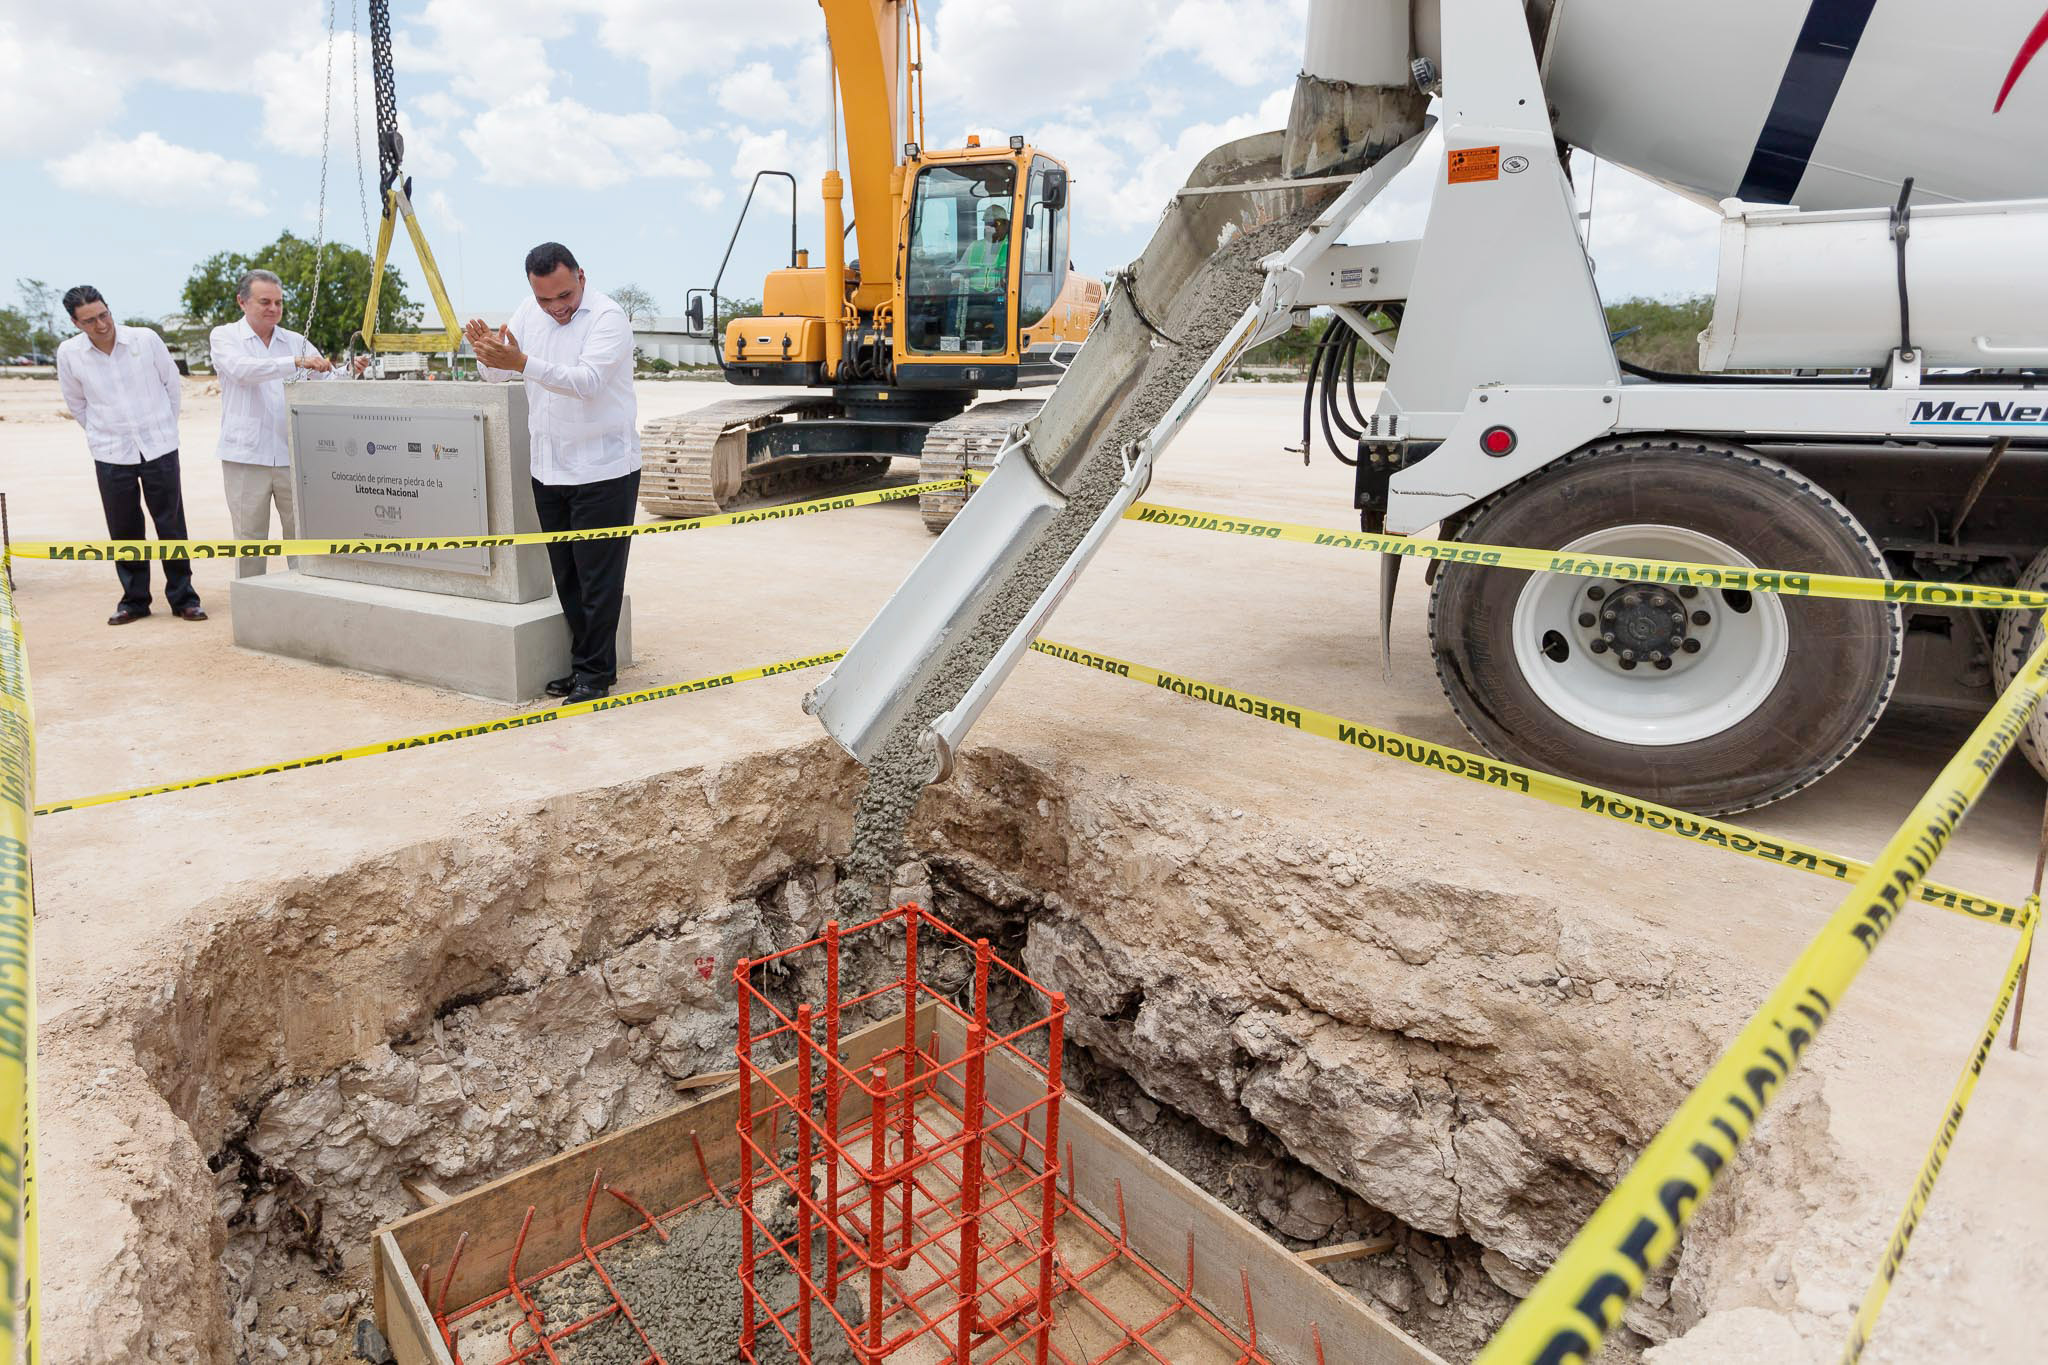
(254, 358)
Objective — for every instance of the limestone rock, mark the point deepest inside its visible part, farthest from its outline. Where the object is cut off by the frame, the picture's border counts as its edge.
(1735, 1334)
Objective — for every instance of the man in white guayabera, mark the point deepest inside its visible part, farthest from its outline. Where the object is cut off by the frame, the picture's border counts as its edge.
(120, 384)
(574, 348)
(254, 358)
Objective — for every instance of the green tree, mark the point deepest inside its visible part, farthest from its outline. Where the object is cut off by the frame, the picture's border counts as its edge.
(17, 332)
(42, 306)
(637, 302)
(1662, 335)
(209, 295)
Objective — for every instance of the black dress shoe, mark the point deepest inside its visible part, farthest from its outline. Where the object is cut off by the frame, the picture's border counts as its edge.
(191, 613)
(588, 692)
(123, 615)
(561, 687)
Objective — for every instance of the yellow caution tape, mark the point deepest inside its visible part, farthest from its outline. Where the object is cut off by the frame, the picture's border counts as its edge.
(1573, 1307)
(518, 721)
(18, 1244)
(1937, 1153)
(1558, 791)
(119, 550)
(1727, 578)
(1790, 583)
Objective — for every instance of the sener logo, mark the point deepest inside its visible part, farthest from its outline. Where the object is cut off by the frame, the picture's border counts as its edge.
(1949, 413)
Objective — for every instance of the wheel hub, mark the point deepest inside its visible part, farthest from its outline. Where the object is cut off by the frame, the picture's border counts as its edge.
(1649, 663)
(1629, 624)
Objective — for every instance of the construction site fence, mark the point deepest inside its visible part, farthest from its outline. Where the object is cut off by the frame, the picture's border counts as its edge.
(1577, 1303)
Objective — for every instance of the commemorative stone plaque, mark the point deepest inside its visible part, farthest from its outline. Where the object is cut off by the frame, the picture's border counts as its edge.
(402, 473)
(414, 460)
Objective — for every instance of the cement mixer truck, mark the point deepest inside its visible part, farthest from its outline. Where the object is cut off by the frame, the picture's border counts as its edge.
(1872, 403)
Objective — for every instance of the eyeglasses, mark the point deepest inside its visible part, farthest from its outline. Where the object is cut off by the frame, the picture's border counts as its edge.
(98, 319)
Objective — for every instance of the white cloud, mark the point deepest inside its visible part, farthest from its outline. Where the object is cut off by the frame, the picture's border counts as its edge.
(490, 53)
(1247, 42)
(440, 217)
(676, 40)
(751, 89)
(1647, 239)
(43, 104)
(777, 149)
(561, 143)
(150, 171)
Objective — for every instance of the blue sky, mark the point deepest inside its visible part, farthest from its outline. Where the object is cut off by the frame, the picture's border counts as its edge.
(136, 138)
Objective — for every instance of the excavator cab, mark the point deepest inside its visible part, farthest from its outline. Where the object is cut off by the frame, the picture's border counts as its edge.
(985, 268)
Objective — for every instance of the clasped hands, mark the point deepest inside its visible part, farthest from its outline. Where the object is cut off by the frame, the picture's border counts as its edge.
(498, 349)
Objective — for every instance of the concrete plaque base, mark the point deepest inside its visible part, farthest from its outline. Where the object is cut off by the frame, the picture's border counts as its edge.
(503, 650)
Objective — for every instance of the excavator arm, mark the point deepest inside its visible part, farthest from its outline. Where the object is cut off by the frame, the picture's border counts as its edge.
(870, 51)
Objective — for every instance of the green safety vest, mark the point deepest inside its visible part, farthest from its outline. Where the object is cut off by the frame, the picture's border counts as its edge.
(988, 264)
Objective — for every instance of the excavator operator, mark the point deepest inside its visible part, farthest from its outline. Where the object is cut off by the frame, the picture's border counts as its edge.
(986, 263)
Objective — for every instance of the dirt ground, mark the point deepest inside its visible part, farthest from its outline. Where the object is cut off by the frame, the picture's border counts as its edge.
(124, 890)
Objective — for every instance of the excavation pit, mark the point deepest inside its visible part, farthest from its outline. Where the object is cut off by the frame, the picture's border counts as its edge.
(1330, 1040)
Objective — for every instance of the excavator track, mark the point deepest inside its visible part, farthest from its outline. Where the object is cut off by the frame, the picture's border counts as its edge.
(970, 441)
(696, 465)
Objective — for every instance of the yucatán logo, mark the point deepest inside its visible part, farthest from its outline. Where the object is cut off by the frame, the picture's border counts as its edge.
(1990, 412)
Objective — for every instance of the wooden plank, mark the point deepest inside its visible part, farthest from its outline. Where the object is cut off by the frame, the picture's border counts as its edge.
(707, 1080)
(402, 1314)
(1165, 1209)
(425, 1191)
(1338, 1252)
(653, 1160)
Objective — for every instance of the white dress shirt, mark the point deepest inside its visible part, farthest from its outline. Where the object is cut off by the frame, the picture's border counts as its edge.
(580, 410)
(253, 425)
(126, 400)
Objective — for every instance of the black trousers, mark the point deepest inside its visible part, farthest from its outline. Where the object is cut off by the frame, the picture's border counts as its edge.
(590, 575)
(124, 488)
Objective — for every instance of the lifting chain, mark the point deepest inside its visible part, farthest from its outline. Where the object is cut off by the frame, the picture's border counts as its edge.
(320, 219)
(355, 79)
(390, 146)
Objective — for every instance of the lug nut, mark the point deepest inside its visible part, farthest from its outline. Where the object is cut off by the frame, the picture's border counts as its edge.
(1628, 655)
(1677, 618)
(1634, 599)
(1663, 663)
(1658, 599)
(1598, 646)
(1607, 615)
(1691, 646)
(1700, 618)
(1688, 592)
(1657, 656)
(1596, 592)
(1587, 618)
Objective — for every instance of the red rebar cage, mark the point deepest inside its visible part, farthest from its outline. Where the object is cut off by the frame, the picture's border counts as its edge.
(922, 1210)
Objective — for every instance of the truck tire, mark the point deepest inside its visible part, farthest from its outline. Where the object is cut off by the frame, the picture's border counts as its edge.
(1727, 700)
(2019, 634)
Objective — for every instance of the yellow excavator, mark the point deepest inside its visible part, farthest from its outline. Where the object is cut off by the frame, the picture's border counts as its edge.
(961, 283)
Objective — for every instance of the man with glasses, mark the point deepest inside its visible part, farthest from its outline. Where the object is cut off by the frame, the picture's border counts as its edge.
(254, 358)
(122, 386)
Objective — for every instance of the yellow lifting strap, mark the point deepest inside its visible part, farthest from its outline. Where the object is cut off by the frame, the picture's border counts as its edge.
(396, 206)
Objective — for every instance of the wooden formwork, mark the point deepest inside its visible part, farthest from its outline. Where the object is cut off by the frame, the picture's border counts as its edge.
(1111, 1179)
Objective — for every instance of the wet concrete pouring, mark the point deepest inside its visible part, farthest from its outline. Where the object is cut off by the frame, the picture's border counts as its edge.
(1197, 321)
